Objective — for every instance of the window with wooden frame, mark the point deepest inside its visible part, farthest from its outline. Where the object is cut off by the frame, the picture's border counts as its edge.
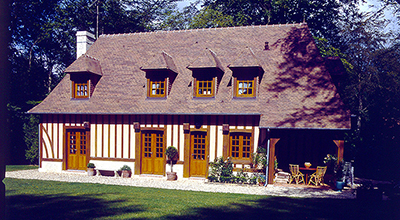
(245, 87)
(156, 88)
(81, 89)
(204, 87)
(241, 146)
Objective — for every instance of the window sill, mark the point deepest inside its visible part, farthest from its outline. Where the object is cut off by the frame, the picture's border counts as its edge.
(244, 98)
(76, 99)
(197, 97)
(156, 98)
(241, 161)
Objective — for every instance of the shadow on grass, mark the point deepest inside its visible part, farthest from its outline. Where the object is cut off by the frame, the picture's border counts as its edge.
(62, 206)
(296, 208)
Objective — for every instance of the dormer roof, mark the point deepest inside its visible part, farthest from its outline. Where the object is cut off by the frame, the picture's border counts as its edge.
(207, 59)
(160, 61)
(246, 58)
(85, 64)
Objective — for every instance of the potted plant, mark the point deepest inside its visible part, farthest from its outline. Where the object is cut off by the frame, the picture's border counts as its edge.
(339, 175)
(330, 161)
(90, 169)
(126, 171)
(172, 155)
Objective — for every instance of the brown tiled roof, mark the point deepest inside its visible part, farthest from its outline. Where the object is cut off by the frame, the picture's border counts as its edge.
(295, 91)
(85, 64)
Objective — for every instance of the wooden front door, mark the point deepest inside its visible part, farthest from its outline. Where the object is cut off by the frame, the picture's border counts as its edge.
(198, 154)
(153, 152)
(77, 148)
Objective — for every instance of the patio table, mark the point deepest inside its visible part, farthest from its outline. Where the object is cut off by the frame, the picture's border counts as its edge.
(307, 171)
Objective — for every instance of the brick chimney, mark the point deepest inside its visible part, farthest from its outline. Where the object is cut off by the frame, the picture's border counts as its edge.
(84, 40)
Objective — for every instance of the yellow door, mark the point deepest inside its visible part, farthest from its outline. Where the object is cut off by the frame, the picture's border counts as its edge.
(153, 153)
(77, 146)
(198, 154)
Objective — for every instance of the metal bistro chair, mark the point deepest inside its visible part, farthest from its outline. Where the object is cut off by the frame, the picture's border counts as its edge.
(297, 176)
(317, 178)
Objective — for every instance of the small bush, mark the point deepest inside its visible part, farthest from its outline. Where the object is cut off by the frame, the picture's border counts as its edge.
(91, 165)
(221, 170)
(126, 167)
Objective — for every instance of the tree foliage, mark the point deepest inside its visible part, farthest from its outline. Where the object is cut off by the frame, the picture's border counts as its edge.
(43, 45)
(372, 91)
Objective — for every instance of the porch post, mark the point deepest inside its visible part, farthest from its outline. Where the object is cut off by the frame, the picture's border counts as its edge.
(186, 150)
(340, 145)
(271, 160)
(225, 141)
(138, 147)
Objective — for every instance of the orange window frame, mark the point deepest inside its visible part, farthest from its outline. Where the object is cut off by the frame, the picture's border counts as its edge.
(240, 146)
(204, 88)
(157, 88)
(81, 90)
(245, 88)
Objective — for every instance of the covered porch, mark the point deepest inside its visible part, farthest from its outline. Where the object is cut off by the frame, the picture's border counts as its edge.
(297, 146)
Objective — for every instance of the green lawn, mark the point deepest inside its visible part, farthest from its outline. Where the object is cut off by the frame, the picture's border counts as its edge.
(35, 199)
(20, 167)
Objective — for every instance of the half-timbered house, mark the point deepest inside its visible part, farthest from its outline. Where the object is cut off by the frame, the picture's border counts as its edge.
(208, 92)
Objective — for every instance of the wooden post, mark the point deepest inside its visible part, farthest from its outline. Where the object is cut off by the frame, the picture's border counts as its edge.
(138, 148)
(225, 141)
(340, 145)
(186, 150)
(271, 159)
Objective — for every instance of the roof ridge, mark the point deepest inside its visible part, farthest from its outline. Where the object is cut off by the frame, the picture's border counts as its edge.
(94, 58)
(203, 29)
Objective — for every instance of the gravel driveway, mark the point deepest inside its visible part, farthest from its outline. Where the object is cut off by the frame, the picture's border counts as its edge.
(185, 184)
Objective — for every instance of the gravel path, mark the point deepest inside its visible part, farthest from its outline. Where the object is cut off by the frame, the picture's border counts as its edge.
(186, 184)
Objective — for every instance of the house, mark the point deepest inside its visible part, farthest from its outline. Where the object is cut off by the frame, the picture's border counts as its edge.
(208, 92)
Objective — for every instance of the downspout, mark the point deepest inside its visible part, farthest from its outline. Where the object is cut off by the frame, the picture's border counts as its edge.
(267, 165)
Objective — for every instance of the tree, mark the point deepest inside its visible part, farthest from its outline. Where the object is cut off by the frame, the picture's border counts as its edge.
(321, 16)
(372, 91)
(43, 45)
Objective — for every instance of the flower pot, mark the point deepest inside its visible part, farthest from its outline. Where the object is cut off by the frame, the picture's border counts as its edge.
(91, 171)
(339, 185)
(172, 176)
(126, 174)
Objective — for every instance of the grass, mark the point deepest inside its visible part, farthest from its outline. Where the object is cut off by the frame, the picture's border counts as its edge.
(20, 167)
(35, 199)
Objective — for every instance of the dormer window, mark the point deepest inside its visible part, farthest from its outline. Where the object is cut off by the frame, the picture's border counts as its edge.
(156, 88)
(246, 74)
(81, 90)
(245, 88)
(245, 82)
(84, 73)
(204, 87)
(160, 74)
(207, 73)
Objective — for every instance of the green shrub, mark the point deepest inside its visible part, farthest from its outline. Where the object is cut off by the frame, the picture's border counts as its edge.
(126, 167)
(31, 132)
(91, 165)
(221, 170)
(242, 177)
